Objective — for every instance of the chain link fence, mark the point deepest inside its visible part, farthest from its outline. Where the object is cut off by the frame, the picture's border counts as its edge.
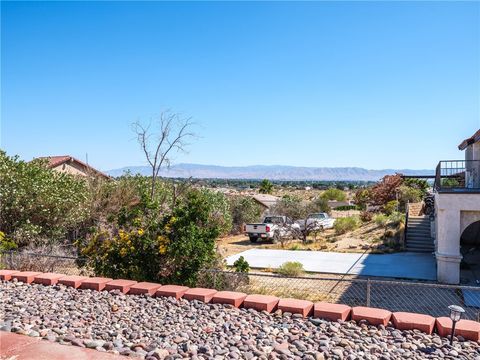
(410, 296)
(29, 261)
(419, 297)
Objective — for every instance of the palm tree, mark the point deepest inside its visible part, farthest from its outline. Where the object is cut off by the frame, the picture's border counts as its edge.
(266, 187)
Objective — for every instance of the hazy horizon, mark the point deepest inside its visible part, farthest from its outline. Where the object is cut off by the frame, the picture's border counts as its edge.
(275, 165)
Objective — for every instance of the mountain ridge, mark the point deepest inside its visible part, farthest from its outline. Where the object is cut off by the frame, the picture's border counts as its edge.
(272, 172)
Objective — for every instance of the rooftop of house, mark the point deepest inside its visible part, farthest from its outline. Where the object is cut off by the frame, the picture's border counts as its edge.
(55, 161)
(266, 199)
(469, 141)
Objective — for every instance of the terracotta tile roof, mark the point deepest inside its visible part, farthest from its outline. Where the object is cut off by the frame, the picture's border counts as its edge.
(472, 139)
(54, 161)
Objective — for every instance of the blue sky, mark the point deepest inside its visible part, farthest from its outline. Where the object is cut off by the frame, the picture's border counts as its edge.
(369, 84)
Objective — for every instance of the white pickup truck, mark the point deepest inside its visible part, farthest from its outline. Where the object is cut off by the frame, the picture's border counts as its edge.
(316, 221)
(272, 228)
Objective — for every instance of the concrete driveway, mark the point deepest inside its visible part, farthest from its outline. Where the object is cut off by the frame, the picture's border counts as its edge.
(405, 265)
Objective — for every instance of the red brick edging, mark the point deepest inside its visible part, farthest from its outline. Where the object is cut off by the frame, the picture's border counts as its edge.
(468, 329)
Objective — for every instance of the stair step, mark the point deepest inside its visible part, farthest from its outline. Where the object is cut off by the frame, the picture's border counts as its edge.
(418, 234)
(426, 229)
(416, 248)
(419, 250)
(418, 231)
(419, 244)
(417, 237)
(423, 246)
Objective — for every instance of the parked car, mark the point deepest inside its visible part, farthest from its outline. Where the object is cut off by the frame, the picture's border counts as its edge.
(316, 221)
(272, 228)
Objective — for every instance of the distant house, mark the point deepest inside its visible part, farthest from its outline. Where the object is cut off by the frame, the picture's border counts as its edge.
(333, 204)
(70, 165)
(266, 201)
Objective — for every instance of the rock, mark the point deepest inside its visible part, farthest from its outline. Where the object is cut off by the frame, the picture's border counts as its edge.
(166, 328)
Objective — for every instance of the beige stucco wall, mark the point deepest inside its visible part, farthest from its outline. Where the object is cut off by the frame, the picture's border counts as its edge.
(454, 212)
(70, 168)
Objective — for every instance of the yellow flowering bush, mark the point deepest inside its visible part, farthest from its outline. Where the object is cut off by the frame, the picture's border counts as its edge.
(171, 248)
(6, 244)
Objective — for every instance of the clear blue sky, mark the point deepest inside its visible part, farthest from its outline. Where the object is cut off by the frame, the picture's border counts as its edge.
(370, 84)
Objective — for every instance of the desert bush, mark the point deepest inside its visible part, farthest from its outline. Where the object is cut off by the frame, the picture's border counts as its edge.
(171, 248)
(346, 224)
(347, 208)
(295, 208)
(243, 210)
(362, 197)
(241, 265)
(380, 219)
(38, 204)
(389, 233)
(6, 244)
(317, 205)
(366, 216)
(390, 207)
(396, 218)
(409, 194)
(291, 206)
(418, 184)
(385, 190)
(334, 194)
(291, 268)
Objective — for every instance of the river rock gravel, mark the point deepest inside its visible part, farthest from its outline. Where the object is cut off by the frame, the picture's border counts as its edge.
(165, 328)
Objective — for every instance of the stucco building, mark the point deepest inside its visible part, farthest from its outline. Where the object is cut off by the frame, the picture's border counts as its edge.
(457, 209)
(70, 165)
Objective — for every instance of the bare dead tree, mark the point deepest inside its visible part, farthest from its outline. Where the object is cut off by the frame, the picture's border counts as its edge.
(170, 134)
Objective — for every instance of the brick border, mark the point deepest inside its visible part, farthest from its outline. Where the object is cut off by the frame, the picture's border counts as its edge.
(468, 329)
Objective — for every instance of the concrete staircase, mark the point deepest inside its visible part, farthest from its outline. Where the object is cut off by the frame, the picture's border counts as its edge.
(419, 237)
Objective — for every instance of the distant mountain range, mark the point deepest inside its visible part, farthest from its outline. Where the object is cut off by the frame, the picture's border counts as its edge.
(272, 172)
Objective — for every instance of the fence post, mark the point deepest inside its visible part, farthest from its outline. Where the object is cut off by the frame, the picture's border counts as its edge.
(214, 279)
(369, 286)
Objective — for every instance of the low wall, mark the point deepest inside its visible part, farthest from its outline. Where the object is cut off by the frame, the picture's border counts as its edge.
(468, 329)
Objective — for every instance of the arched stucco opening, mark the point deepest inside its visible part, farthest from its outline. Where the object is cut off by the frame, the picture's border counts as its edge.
(470, 250)
(471, 235)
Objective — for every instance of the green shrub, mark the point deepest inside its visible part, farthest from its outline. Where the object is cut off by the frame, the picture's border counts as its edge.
(38, 204)
(6, 244)
(243, 210)
(241, 265)
(390, 207)
(334, 194)
(291, 268)
(380, 219)
(346, 208)
(346, 224)
(409, 194)
(396, 218)
(171, 248)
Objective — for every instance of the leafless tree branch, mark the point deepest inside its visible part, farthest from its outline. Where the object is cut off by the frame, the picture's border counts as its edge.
(172, 134)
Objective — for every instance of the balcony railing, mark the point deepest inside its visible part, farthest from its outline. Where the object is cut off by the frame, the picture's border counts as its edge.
(458, 176)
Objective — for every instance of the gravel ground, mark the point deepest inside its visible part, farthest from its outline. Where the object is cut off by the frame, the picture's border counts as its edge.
(163, 328)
